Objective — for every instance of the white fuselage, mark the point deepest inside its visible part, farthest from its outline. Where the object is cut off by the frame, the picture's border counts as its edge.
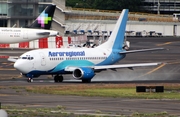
(59, 59)
(16, 35)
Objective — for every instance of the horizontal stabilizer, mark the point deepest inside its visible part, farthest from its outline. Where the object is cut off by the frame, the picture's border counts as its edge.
(43, 33)
(141, 50)
(125, 65)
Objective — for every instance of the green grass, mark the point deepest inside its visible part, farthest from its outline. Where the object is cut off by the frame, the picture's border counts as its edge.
(172, 92)
(101, 90)
(38, 112)
(21, 111)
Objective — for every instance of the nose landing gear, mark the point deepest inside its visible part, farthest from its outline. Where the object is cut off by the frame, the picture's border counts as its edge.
(29, 80)
(30, 77)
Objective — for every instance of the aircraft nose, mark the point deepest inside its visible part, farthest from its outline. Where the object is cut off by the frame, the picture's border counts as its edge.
(18, 65)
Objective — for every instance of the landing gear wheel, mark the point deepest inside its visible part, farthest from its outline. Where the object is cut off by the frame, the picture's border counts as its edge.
(55, 78)
(86, 81)
(29, 80)
(60, 78)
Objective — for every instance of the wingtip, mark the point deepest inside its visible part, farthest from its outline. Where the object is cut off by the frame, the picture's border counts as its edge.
(12, 59)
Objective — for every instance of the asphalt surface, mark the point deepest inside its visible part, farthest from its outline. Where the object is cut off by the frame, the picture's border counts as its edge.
(168, 73)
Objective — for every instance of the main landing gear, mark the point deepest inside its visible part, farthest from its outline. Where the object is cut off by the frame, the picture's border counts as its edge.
(86, 81)
(58, 78)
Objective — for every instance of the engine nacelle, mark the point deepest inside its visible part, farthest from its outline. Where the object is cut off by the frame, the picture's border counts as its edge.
(83, 73)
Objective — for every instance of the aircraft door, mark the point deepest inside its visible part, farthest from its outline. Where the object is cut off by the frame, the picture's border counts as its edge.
(25, 34)
(43, 61)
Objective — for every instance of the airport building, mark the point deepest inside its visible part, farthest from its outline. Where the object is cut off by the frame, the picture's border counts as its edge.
(162, 6)
(20, 13)
(78, 25)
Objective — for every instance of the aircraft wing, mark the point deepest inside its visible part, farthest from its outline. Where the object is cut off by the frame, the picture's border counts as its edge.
(12, 59)
(125, 66)
(72, 68)
(141, 50)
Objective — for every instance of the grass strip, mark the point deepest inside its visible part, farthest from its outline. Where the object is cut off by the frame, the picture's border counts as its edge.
(106, 90)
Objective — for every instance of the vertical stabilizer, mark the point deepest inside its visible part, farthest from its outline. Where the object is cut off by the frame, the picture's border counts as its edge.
(116, 38)
(44, 20)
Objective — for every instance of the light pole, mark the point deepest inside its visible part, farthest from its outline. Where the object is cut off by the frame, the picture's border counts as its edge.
(158, 7)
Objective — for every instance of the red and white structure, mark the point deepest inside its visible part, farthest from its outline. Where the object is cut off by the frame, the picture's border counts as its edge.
(51, 42)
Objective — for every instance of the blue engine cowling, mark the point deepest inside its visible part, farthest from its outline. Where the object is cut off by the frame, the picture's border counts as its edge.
(83, 73)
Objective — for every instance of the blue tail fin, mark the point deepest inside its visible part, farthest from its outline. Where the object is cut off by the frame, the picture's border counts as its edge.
(44, 20)
(116, 40)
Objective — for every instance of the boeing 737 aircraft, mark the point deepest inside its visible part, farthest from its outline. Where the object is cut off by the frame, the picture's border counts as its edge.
(82, 63)
(38, 29)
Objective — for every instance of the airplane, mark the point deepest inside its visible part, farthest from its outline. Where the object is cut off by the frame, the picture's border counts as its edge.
(38, 29)
(82, 63)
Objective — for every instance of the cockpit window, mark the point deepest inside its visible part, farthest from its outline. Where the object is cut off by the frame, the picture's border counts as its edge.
(30, 58)
(23, 57)
(27, 57)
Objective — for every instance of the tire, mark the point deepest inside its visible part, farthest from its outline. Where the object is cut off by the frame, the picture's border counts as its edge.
(29, 80)
(60, 78)
(55, 78)
(86, 81)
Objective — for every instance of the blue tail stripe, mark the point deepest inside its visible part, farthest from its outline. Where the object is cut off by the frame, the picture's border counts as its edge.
(119, 40)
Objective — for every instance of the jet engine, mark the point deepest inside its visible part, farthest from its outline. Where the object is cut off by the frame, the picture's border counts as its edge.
(83, 73)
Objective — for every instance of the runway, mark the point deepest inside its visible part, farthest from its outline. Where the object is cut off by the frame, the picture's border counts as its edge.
(166, 73)
(169, 71)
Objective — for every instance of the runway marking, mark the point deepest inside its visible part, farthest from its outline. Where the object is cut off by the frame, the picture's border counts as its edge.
(159, 67)
(4, 95)
(167, 43)
(1, 69)
(173, 62)
(164, 44)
